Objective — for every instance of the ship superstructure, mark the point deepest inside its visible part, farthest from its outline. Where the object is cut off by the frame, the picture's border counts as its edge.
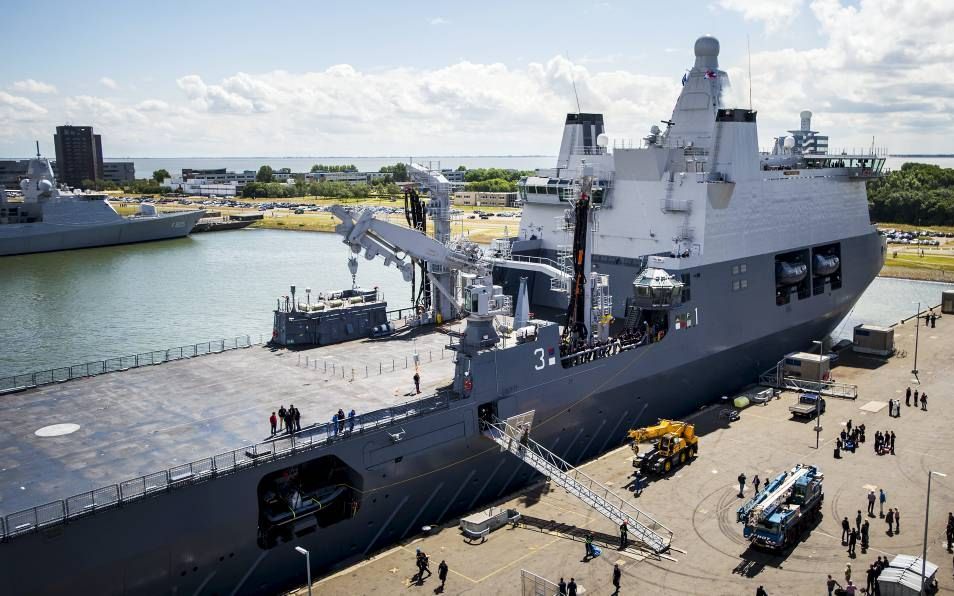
(648, 282)
(50, 218)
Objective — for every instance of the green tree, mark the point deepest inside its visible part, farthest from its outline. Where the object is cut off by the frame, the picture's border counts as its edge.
(398, 171)
(320, 167)
(160, 175)
(264, 174)
(492, 185)
(461, 168)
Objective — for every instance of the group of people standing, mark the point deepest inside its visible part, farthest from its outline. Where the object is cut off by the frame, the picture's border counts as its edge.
(922, 399)
(285, 420)
(338, 421)
(884, 442)
(849, 438)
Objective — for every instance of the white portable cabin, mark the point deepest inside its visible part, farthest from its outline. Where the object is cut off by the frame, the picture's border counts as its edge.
(803, 365)
(872, 339)
(947, 302)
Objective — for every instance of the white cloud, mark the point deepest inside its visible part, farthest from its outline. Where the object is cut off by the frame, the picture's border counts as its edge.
(437, 21)
(15, 107)
(878, 71)
(32, 86)
(108, 83)
(772, 13)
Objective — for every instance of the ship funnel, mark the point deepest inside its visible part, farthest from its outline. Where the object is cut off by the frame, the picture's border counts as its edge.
(707, 52)
(580, 136)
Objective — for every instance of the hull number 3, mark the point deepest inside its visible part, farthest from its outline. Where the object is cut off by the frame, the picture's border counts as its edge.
(540, 360)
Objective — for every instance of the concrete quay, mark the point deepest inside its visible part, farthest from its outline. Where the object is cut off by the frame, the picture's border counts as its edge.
(699, 502)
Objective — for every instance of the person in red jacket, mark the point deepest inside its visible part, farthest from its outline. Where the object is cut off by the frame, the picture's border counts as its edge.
(273, 420)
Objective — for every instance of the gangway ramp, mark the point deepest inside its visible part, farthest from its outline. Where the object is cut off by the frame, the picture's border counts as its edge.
(642, 527)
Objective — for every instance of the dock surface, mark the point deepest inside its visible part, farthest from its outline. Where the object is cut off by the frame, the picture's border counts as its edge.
(699, 502)
(148, 419)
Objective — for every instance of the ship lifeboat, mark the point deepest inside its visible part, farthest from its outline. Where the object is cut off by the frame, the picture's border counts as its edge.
(788, 274)
(826, 264)
(294, 505)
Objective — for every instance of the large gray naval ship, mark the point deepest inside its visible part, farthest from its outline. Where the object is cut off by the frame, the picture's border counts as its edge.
(648, 281)
(50, 218)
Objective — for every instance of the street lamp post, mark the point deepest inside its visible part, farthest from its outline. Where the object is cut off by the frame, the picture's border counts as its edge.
(927, 507)
(308, 563)
(917, 329)
(818, 413)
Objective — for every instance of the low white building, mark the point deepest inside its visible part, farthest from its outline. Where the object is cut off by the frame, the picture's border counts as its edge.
(203, 187)
(485, 199)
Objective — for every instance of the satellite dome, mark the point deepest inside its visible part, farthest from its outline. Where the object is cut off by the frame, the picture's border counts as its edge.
(24, 184)
(707, 46)
(707, 52)
(44, 186)
(788, 143)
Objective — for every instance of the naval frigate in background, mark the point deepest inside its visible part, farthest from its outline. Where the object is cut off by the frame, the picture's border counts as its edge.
(50, 218)
(649, 282)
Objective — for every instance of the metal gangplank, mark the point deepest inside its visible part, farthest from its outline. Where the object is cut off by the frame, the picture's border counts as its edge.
(775, 377)
(642, 527)
(777, 493)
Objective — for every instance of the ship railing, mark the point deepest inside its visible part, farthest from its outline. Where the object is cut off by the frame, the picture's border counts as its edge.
(99, 367)
(312, 437)
(532, 259)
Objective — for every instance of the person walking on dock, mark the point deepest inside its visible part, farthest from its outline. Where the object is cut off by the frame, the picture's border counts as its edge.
(924, 401)
(341, 420)
(864, 536)
(297, 414)
(571, 587)
(334, 423)
(351, 420)
(890, 519)
(848, 572)
(417, 382)
(858, 520)
(616, 576)
(741, 484)
(871, 503)
(442, 574)
(562, 587)
(891, 442)
(756, 482)
(273, 420)
(845, 528)
(830, 584)
(282, 413)
(761, 591)
(623, 535)
(933, 319)
(852, 541)
(897, 521)
(907, 397)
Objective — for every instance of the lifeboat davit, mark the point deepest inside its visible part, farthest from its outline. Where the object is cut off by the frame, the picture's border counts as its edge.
(826, 264)
(788, 274)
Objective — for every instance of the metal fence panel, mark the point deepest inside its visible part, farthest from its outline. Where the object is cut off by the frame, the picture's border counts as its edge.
(156, 481)
(106, 496)
(224, 461)
(132, 489)
(21, 521)
(202, 467)
(180, 473)
(80, 504)
(50, 513)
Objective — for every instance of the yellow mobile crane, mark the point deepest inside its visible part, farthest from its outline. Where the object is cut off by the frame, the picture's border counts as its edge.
(675, 443)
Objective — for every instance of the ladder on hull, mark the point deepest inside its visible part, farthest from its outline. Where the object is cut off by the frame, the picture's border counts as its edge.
(642, 527)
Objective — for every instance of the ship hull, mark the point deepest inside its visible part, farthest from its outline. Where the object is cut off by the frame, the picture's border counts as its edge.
(42, 237)
(205, 538)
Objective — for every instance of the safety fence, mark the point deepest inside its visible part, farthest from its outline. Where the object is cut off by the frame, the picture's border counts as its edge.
(121, 363)
(348, 371)
(314, 436)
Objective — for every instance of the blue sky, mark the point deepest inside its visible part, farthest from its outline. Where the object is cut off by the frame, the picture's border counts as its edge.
(369, 78)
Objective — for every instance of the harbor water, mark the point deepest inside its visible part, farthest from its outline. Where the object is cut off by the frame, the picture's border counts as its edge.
(78, 306)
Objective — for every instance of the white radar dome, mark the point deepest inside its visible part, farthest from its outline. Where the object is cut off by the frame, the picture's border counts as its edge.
(789, 142)
(707, 52)
(602, 140)
(24, 184)
(45, 186)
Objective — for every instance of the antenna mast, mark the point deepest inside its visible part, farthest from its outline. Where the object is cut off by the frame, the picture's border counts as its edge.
(38, 149)
(748, 49)
(579, 110)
